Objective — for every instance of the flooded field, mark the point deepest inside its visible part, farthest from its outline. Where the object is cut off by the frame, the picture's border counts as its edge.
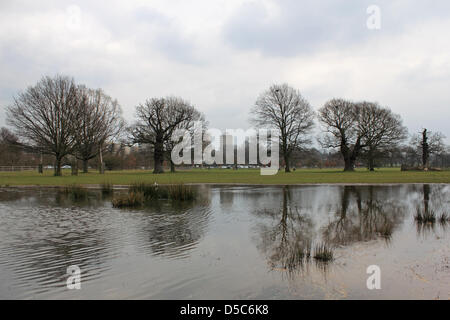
(234, 242)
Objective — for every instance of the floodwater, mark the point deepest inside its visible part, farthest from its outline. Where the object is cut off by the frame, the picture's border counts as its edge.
(235, 242)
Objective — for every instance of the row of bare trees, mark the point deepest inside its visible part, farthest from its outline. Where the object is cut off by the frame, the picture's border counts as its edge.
(61, 118)
(359, 130)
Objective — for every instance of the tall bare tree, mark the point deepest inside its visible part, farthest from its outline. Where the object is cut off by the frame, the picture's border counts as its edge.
(340, 119)
(156, 121)
(187, 124)
(359, 129)
(45, 117)
(284, 108)
(427, 143)
(382, 128)
(100, 122)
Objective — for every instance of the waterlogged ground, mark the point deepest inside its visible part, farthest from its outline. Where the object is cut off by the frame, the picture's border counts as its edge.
(232, 243)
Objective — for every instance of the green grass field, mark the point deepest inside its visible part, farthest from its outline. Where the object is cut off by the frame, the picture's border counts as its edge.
(226, 176)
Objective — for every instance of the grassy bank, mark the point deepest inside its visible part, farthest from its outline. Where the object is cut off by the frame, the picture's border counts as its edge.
(242, 176)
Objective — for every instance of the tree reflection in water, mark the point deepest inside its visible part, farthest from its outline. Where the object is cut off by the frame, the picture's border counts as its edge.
(432, 210)
(286, 243)
(363, 215)
(172, 231)
(173, 228)
(360, 214)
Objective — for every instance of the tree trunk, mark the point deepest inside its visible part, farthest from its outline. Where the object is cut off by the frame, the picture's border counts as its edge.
(58, 167)
(102, 165)
(74, 167)
(425, 150)
(286, 164)
(159, 158)
(41, 164)
(349, 164)
(371, 162)
(172, 166)
(350, 155)
(85, 166)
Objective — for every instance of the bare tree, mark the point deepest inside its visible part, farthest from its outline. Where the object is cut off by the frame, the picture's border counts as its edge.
(10, 150)
(45, 116)
(340, 119)
(187, 124)
(284, 108)
(157, 119)
(100, 122)
(426, 144)
(382, 128)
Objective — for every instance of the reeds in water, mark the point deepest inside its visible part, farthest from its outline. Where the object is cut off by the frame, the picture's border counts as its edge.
(129, 200)
(77, 192)
(426, 216)
(140, 193)
(107, 188)
(323, 252)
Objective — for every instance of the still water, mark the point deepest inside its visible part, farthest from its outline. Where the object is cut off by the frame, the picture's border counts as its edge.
(235, 242)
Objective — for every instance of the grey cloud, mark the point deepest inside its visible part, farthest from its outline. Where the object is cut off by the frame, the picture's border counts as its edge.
(169, 39)
(308, 26)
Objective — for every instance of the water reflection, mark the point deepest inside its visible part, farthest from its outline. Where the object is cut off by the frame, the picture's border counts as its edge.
(225, 243)
(363, 214)
(287, 240)
(431, 210)
(40, 239)
(359, 214)
(173, 230)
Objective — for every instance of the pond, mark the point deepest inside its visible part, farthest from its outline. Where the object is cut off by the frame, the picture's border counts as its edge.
(234, 242)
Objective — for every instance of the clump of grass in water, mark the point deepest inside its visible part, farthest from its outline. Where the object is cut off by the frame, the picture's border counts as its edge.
(181, 192)
(128, 200)
(148, 192)
(425, 217)
(323, 252)
(107, 188)
(76, 192)
(444, 218)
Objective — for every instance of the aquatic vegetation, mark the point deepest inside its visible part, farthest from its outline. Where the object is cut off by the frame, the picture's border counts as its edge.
(107, 188)
(323, 252)
(150, 191)
(77, 192)
(141, 193)
(181, 192)
(444, 218)
(128, 200)
(426, 216)
(172, 192)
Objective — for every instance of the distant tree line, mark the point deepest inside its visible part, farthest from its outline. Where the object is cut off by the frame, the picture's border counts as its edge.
(58, 122)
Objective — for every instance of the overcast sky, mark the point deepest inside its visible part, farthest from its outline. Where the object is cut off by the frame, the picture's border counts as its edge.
(220, 55)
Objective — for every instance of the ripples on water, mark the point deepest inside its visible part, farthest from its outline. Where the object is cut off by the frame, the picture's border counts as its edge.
(236, 242)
